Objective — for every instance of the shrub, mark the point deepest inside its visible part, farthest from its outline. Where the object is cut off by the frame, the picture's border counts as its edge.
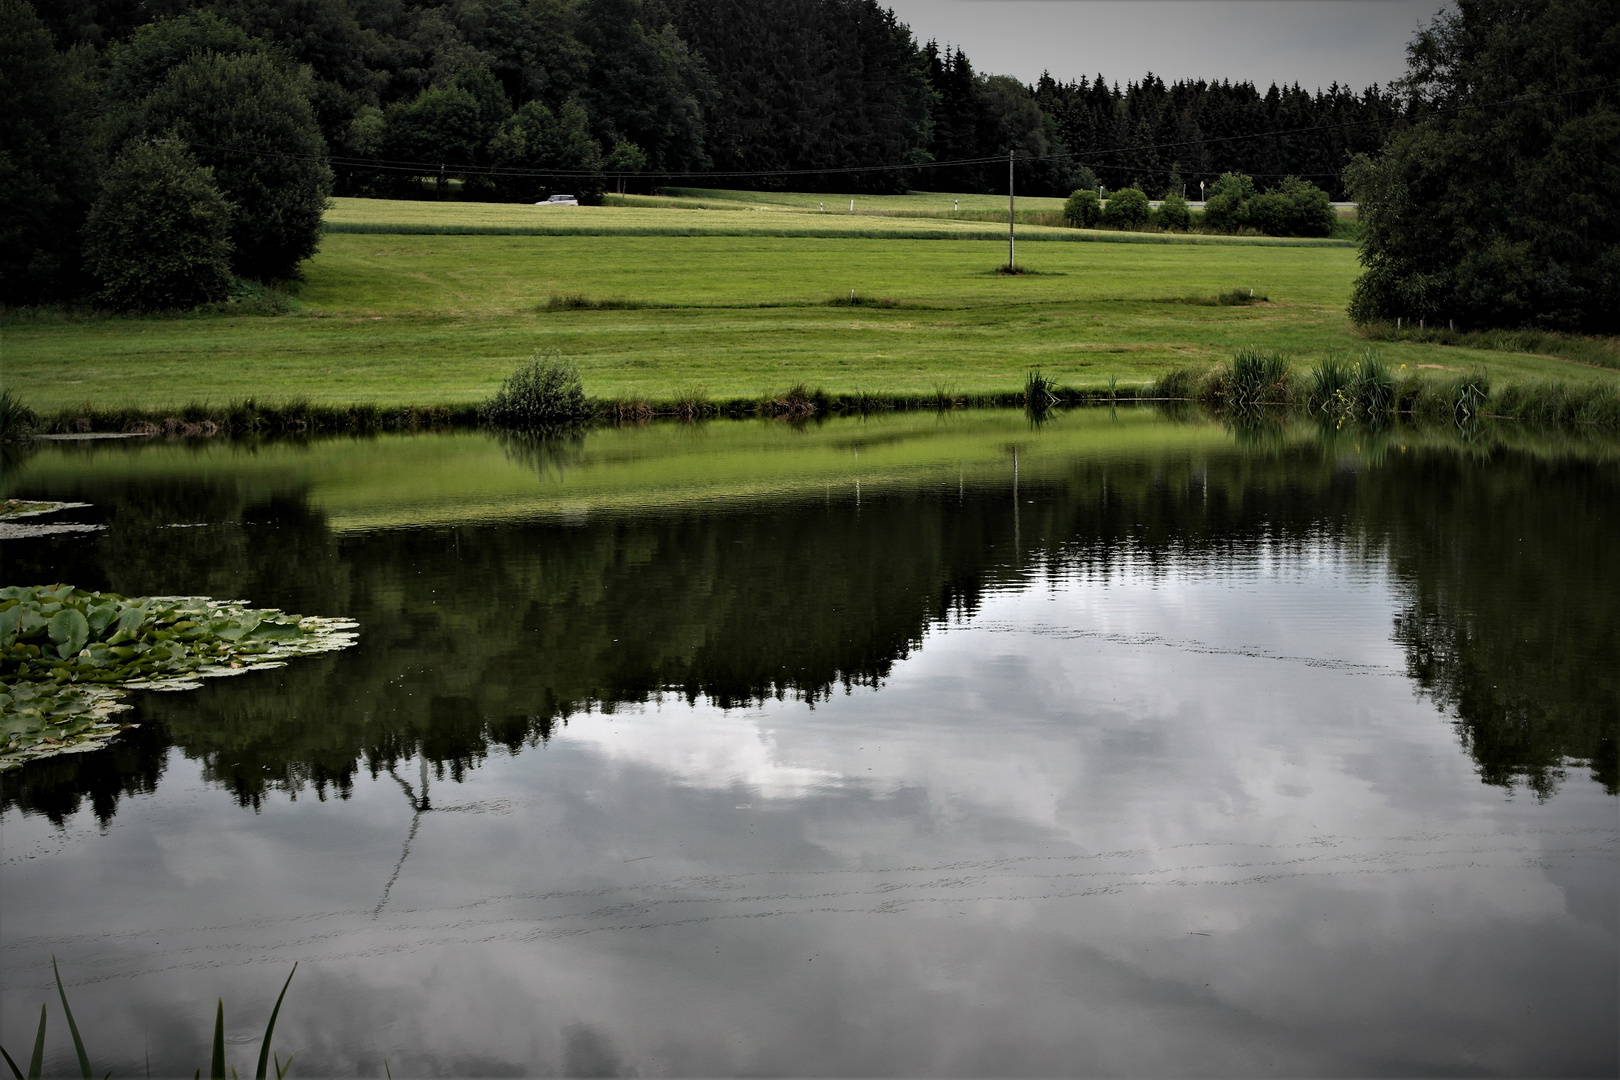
(158, 238)
(1269, 213)
(1173, 213)
(1310, 211)
(1223, 213)
(1238, 185)
(1127, 209)
(544, 393)
(1082, 209)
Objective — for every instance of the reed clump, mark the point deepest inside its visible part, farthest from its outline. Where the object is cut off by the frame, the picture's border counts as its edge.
(17, 420)
(692, 403)
(799, 400)
(1252, 377)
(1342, 387)
(1040, 392)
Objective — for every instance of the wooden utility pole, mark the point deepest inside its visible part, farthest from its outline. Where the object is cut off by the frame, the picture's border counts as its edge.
(1010, 266)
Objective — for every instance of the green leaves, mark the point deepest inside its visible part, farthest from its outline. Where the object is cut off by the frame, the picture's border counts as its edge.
(69, 630)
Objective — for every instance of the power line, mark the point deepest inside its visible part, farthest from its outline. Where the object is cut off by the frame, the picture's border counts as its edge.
(1079, 157)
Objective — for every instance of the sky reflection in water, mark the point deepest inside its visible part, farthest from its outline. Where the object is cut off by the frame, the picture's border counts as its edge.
(1150, 797)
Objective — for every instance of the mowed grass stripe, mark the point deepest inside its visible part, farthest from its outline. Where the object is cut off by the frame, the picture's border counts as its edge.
(425, 320)
(421, 218)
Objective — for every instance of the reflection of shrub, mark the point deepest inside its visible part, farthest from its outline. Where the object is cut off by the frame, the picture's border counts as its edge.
(1082, 209)
(543, 393)
(159, 235)
(1126, 209)
(1173, 213)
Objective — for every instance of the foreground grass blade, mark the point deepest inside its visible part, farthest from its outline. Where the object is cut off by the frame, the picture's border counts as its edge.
(216, 1065)
(36, 1063)
(73, 1028)
(270, 1028)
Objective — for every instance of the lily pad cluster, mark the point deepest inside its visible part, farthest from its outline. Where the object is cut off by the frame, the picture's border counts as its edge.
(66, 654)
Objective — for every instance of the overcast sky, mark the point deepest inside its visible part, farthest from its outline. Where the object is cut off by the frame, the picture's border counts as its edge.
(1312, 42)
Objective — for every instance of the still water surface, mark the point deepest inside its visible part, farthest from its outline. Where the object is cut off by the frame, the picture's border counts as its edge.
(1119, 745)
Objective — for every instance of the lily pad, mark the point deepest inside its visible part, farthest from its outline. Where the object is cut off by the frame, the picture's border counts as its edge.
(67, 655)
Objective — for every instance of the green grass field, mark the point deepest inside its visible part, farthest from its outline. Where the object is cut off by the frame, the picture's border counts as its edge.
(684, 299)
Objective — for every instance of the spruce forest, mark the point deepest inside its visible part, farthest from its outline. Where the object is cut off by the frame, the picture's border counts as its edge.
(813, 89)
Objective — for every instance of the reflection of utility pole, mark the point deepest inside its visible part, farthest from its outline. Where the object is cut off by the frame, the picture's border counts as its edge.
(419, 806)
(1017, 537)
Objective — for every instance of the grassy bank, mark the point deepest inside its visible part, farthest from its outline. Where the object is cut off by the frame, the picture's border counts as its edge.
(402, 324)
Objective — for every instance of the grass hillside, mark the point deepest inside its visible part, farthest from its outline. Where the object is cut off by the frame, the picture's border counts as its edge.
(656, 301)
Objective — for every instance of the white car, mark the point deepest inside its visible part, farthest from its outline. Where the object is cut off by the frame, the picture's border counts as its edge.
(559, 200)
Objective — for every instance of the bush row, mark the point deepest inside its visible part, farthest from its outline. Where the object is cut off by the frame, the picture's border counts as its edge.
(1294, 208)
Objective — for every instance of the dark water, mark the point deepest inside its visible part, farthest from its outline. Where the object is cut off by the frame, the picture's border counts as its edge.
(1120, 745)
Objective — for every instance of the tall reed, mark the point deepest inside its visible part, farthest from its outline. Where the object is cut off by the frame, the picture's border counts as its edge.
(1351, 387)
(1254, 377)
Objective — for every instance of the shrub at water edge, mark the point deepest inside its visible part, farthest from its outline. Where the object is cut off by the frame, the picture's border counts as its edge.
(545, 392)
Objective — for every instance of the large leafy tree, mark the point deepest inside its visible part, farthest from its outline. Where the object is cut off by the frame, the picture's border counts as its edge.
(1497, 207)
(248, 118)
(47, 158)
(159, 236)
(534, 141)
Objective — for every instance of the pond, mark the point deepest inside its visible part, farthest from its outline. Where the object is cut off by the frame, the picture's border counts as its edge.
(1123, 743)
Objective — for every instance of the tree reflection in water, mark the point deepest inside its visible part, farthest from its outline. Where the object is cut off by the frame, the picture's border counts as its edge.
(490, 635)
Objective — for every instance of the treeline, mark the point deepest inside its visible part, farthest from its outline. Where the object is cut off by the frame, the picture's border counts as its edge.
(518, 98)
